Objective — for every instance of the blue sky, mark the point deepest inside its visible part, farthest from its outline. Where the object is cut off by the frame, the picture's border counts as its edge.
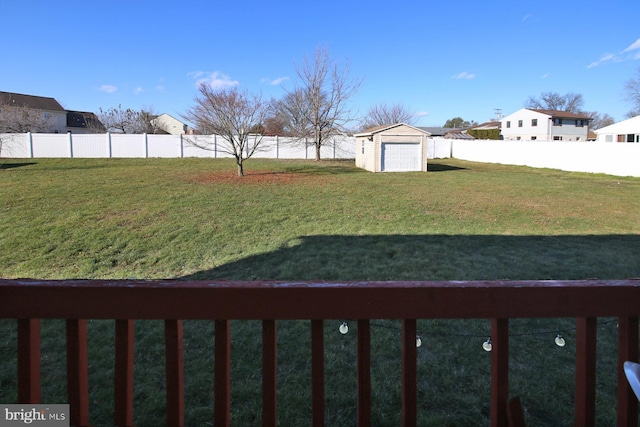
(441, 59)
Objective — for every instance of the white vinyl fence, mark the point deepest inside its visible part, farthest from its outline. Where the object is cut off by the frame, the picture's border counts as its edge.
(621, 159)
(613, 158)
(38, 145)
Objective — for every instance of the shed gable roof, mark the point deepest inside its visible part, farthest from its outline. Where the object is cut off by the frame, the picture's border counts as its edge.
(383, 128)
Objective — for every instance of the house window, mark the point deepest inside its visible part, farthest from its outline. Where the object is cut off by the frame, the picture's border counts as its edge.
(620, 138)
(363, 146)
(579, 123)
(508, 123)
(557, 122)
(534, 122)
(533, 138)
(518, 138)
(519, 123)
(557, 138)
(608, 138)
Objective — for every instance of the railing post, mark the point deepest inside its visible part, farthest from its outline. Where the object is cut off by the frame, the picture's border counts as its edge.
(174, 349)
(77, 372)
(269, 373)
(627, 350)
(409, 372)
(317, 372)
(123, 381)
(585, 405)
(222, 377)
(499, 371)
(28, 361)
(364, 373)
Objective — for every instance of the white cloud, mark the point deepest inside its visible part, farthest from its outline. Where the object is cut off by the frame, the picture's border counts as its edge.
(545, 76)
(463, 76)
(633, 50)
(138, 90)
(604, 58)
(421, 114)
(634, 46)
(527, 17)
(215, 80)
(108, 88)
(274, 82)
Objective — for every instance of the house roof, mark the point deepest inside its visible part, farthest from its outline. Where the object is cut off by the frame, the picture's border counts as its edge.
(560, 114)
(379, 129)
(458, 134)
(631, 125)
(487, 125)
(436, 131)
(35, 102)
(84, 120)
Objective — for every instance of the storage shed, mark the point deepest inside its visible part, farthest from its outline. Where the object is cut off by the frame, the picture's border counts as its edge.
(392, 148)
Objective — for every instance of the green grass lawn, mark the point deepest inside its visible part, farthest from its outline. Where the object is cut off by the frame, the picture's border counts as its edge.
(193, 219)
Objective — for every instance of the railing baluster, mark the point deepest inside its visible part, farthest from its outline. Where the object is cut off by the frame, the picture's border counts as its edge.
(317, 372)
(77, 375)
(174, 355)
(627, 350)
(269, 372)
(222, 377)
(409, 372)
(364, 372)
(499, 372)
(585, 406)
(123, 381)
(28, 361)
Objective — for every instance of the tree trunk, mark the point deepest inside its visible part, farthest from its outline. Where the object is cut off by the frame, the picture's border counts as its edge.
(240, 168)
(318, 147)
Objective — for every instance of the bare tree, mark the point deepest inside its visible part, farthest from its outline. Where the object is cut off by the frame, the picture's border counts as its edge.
(121, 120)
(231, 114)
(384, 114)
(16, 119)
(632, 94)
(318, 104)
(570, 102)
(598, 120)
(21, 119)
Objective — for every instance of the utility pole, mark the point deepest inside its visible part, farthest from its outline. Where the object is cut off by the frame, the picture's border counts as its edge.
(498, 112)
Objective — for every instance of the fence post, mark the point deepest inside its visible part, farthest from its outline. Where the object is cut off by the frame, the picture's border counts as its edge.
(109, 148)
(146, 146)
(70, 139)
(181, 147)
(30, 136)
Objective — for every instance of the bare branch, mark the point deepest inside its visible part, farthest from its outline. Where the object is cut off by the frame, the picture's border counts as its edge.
(384, 114)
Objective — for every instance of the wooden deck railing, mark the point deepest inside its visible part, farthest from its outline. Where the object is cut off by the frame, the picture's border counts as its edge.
(126, 300)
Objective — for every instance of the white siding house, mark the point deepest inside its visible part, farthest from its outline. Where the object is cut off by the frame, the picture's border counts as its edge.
(624, 131)
(171, 125)
(393, 148)
(546, 125)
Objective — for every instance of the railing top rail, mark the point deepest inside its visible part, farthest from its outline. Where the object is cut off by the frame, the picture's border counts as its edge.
(176, 299)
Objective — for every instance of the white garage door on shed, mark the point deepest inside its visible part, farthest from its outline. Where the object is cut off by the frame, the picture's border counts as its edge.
(401, 157)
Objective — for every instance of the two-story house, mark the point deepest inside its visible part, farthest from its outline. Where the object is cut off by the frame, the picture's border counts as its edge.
(28, 113)
(546, 125)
